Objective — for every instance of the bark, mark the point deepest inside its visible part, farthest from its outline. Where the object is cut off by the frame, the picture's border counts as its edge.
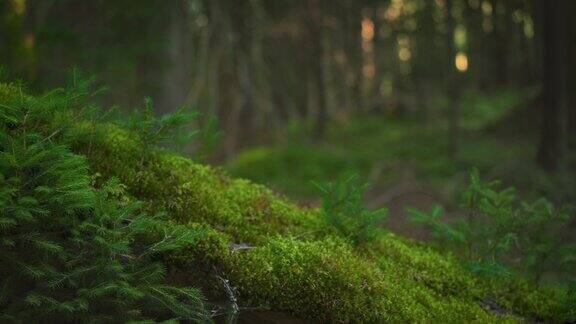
(572, 76)
(453, 88)
(352, 29)
(177, 74)
(553, 143)
(500, 43)
(315, 28)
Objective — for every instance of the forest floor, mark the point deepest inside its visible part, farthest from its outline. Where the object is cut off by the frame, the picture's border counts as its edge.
(406, 160)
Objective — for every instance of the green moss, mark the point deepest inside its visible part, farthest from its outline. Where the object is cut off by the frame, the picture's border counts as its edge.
(306, 163)
(552, 304)
(211, 248)
(327, 280)
(192, 192)
(422, 264)
(291, 266)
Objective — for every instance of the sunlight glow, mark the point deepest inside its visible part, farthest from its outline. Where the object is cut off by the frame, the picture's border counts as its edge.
(367, 29)
(528, 27)
(460, 36)
(487, 8)
(461, 62)
(404, 54)
(19, 6)
(394, 10)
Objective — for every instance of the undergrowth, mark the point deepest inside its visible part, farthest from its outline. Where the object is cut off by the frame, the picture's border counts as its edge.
(496, 232)
(71, 252)
(196, 224)
(343, 210)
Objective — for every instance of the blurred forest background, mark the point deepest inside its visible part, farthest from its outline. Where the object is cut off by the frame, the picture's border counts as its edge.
(409, 94)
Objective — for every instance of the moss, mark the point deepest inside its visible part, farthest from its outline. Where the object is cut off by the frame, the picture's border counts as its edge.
(306, 163)
(327, 280)
(211, 248)
(550, 303)
(440, 273)
(192, 192)
(292, 266)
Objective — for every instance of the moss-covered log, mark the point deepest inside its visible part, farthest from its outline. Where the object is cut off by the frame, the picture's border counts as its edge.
(295, 266)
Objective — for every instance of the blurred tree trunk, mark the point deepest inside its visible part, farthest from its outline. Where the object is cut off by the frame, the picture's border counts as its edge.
(524, 68)
(352, 31)
(572, 74)
(453, 90)
(423, 71)
(553, 140)
(500, 20)
(476, 41)
(317, 55)
(35, 17)
(538, 49)
(176, 84)
(15, 53)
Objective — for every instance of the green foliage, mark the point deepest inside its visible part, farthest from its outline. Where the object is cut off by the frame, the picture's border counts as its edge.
(388, 151)
(71, 253)
(343, 210)
(549, 303)
(288, 264)
(498, 233)
(209, 136)
(174, 130)
(486, 109)
(152, 130)
(569, 306)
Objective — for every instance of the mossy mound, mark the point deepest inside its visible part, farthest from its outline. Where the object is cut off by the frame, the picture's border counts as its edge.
(288, 261)
(193, 193)
(291, 264)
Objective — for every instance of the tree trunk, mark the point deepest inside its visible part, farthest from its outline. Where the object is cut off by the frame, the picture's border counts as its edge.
(553, 140)
(352, 29)
(572, 74)
(499, 41)
(177, 75)
(315, 27)
(452, 86)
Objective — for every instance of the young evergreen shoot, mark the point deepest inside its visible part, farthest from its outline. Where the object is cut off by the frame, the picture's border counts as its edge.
(496, 233)
(344, 211)
(153, 131)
